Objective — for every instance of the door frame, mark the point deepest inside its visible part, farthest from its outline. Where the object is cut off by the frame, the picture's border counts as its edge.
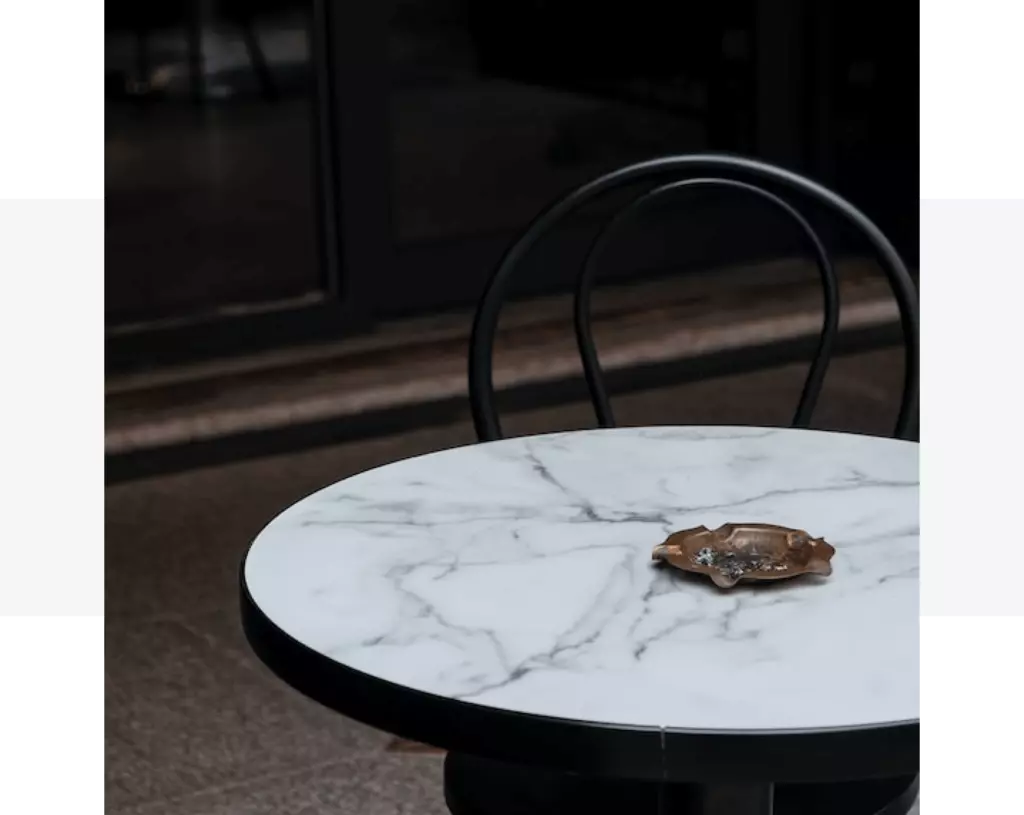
(350, 151)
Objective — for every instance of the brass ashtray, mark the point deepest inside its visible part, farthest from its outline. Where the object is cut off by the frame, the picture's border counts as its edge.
(736, 552)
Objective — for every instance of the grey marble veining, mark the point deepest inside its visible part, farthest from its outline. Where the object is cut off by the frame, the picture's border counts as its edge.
(518, 575)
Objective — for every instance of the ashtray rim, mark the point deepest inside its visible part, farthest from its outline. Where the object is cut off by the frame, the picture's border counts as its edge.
(716, 557)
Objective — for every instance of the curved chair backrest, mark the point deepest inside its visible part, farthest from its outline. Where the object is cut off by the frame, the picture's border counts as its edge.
(673, 176)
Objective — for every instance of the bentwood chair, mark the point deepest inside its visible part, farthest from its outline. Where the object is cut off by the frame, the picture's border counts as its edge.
(675, 177)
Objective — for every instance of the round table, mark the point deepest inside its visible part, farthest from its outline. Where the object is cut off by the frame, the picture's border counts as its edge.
(500, 600)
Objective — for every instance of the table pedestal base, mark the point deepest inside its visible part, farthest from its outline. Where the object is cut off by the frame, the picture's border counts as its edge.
(747, 799)
(476, 786)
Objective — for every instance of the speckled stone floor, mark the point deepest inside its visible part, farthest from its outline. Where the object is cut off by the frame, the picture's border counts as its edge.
(196, 726)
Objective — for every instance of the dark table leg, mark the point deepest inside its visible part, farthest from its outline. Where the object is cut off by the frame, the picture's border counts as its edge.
(732, 799)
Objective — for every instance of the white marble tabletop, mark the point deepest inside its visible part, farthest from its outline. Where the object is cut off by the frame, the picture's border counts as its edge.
(518, 575)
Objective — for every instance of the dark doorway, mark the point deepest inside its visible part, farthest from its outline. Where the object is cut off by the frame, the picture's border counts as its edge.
(280, 171)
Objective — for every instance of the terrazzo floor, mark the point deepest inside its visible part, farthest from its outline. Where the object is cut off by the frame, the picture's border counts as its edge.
(196, 726)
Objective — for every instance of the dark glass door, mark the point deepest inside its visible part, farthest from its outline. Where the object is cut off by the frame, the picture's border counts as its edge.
(284, 170)
(210, 188)
(497, 107)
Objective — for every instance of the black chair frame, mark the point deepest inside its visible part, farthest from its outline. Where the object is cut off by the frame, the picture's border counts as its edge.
(674, 175)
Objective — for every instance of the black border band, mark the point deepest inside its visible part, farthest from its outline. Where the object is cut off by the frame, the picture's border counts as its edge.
(577, 746)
